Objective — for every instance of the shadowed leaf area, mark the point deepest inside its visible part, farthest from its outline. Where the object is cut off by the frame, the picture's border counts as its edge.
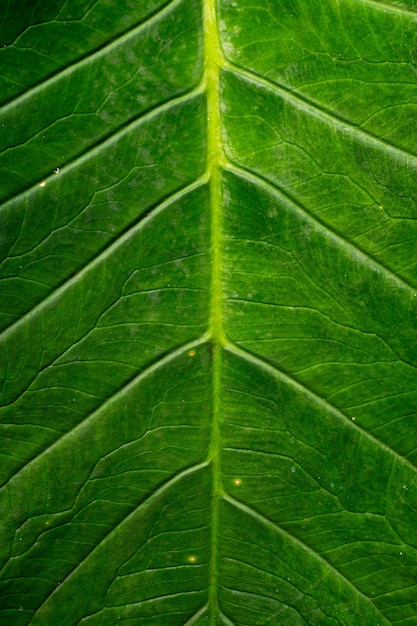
(208, 313)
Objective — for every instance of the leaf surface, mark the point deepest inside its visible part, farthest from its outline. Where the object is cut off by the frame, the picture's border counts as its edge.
(208, 313)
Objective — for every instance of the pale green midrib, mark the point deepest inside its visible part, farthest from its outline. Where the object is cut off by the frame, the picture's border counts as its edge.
(215, 160)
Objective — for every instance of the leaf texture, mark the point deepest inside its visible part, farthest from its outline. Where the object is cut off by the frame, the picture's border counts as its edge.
(208, 313)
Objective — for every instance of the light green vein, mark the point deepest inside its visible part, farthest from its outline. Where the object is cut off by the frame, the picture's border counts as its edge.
(317, 111)
(321, 402)
(328, 232)
(387, 8)
(160, 491)
(52, 298)
(74, 432)
(103, 144)
(215, 158)
(277, 529)
(194, 618)
(226, 620)
(90, 57)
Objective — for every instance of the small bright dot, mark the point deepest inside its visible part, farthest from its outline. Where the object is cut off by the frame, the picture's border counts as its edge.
(353, 418)
(42, 184)
(237, 481)
(192, 559)
(57, 170)
(191, 353)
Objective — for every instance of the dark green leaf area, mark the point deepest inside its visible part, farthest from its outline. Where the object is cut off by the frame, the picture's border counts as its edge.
(327, 495)
(134, 468)
(310, 304)
(359, 71)
(47, 36)
(98, 96)
(138, 302)
(351, 183)
(56, 230)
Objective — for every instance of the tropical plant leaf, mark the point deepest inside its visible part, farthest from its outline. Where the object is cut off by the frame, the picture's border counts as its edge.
(208, 313)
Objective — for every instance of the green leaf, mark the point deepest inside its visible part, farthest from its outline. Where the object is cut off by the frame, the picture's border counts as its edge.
(208, 313)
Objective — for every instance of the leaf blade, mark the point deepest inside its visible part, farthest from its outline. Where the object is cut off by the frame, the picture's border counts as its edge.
(208, 399)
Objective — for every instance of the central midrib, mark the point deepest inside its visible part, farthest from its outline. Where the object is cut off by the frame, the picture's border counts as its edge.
(215, 160)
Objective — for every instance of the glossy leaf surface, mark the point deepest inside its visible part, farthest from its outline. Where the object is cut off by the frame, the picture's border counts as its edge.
(208, 313)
